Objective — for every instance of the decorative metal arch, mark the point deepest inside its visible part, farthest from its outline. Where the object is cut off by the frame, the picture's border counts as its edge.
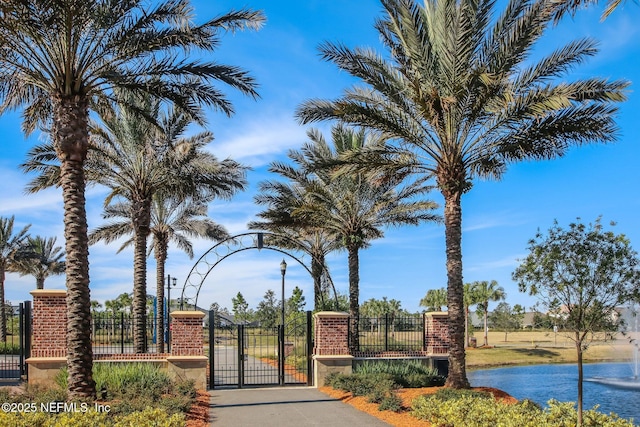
(233, 245)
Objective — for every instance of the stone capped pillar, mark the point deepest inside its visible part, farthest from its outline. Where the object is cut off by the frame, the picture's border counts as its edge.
(49, 341)
(187, 360)
(437, 332)
(331, 345)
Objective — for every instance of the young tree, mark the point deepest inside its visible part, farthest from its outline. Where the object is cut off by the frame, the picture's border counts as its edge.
(240, 308)
(296, 303)
(484, 292)
(588, 272)
(267, 311)
(460, 96)
(506, 318)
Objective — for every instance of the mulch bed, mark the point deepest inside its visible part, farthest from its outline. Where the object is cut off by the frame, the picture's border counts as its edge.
(403, 418)
(198, 415)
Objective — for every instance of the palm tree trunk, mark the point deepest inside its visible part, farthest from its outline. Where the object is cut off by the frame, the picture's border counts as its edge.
(457, 377)
(3, 314)
(466, 326)
(354, 306)
(486, 324)
(316, 271)
(39, 282)
(70, 137)
(161, 257)
(141, 220)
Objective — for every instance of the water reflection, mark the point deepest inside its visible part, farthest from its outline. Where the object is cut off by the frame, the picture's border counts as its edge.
(541, 383)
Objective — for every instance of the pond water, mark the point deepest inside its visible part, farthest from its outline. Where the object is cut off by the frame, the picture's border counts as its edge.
(541, 383)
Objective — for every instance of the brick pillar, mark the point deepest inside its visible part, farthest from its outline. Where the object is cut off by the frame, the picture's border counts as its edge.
(186, 333)
(437, 332)
(49, 323)
(331, 345)
(49, 341)
(187, 360)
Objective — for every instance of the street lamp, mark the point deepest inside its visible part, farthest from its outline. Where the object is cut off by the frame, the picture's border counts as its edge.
(168, 320)
(283, 270)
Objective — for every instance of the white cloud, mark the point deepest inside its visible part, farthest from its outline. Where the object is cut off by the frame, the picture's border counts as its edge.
(258, 140)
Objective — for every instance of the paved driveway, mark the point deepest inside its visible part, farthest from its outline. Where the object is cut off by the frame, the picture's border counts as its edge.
(284, 407)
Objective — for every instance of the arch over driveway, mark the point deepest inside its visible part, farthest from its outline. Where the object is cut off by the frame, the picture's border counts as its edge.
(239, 243)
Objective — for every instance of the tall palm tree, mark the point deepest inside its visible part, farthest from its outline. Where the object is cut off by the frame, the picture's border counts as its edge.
(350, 207)
(281, 200)
(459, 97)
(484, 292)
(138, 162)
(45, 260)
(61, 58)
(12, 251)
(172, 220)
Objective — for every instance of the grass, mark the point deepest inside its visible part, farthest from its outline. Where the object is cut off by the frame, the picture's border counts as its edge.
(537, 347)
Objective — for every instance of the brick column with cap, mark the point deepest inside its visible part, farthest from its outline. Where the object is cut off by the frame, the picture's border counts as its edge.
(49, 341)
(331, 345)
(187, 359)
(437, 332)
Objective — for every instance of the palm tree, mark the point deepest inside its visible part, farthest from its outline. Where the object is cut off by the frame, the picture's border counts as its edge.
(469, 298)
(171, 220)
(12, 251)
(62, 58)
(281, 200)
(459, 99)
(484, 292)
(435, 299)
(572, 6)
(350, 207)
(46, 260)
(138, 162)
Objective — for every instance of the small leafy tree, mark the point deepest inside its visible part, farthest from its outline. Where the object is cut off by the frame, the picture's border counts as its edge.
(240, 308)
(506, 318)
(267, 312)
(587, 272)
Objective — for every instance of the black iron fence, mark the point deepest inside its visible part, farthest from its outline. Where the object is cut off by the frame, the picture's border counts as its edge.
(392, 333)
(16, 341)
(113, 333)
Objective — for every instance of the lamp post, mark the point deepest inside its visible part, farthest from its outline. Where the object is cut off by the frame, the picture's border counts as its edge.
(283, 270)
(169, 283)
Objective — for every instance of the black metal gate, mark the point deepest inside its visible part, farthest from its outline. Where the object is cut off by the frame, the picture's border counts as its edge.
(251, 355)
(15, 349)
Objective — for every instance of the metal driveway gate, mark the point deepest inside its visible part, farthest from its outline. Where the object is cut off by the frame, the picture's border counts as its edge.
(15, 349)
(251, 355)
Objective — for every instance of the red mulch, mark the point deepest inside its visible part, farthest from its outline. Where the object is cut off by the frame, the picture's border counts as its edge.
(198, 415)
(403, 418)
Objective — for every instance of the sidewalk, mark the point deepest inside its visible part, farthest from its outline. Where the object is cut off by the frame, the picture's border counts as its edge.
(284, 407)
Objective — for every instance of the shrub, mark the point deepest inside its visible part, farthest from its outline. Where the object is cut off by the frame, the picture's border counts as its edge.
(391, 403)
(406, 373)
(464, 408)
(123, 380)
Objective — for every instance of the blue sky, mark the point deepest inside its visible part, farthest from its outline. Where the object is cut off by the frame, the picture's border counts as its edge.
(498, 217)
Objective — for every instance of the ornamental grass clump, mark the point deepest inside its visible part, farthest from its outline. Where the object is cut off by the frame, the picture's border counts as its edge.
(405, 373)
